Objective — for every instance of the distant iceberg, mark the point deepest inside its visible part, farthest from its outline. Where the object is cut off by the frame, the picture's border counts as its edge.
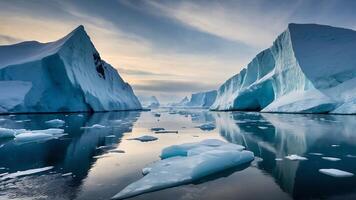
(149, 102)
(67, 75)
(309, 69)
(198, 100)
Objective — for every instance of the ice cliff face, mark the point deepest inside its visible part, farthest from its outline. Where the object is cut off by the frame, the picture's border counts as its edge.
(309, 69)
(61, 76)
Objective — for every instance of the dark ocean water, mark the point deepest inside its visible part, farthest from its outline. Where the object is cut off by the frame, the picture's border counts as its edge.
(97, 172)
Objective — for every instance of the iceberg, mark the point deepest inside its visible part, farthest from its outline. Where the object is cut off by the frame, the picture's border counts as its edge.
(309, 68)
(149, 102)
(39, 77)
(200, 160)
(199, 100)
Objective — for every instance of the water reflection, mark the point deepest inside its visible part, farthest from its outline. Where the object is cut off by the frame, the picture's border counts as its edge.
(73, 153)
(272, 136)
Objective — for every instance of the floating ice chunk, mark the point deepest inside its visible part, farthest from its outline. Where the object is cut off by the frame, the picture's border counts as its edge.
(158, 132)
(335, 145)
(145, 138)
(207, 127)
(110, 136)
(157, 129)
(178, 170)
(296, 157)
(331, 158)
(80, 115)
(350, 156)
(38, 135)
(7, 133)
(262, 127)
(336, 173)
(95, 126)
(100, 156)
(316, 154)
(26, 172)
(278, 159)
(116, 151)
(55, 123)
(67, 174)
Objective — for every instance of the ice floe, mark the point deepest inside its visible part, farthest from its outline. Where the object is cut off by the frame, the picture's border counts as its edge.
(157, 129)
(95, 126)
(55, 123)
(296, 157)
(67, 174)
(336, 173)
(331, 158)
(207, 127)
(198, 160)
(166, 131)
(145, 138)
(25, 173)
(316, 154)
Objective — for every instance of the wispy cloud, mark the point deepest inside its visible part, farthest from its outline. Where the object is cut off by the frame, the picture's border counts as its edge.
(169, 86)
(241, 21)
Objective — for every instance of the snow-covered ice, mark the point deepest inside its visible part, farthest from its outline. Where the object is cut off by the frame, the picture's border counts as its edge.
(33, 74)
(336, 173)
(207, 127)
(55, 123)
(26, 136)
(145, 138)
(166, 131)
(25, 173)
(7, 133)
(94, 126)
(309, 68)
(198, 160)
(331, 158)
(295, 157)
(157, 129)
(316, 154)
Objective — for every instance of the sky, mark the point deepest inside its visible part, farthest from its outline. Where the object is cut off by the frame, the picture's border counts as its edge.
(170, 48)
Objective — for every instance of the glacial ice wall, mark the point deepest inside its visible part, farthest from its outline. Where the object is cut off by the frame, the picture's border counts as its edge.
(67, 75)
(308, 69)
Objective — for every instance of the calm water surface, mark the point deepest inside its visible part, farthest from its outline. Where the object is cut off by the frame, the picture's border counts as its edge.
(99, 173)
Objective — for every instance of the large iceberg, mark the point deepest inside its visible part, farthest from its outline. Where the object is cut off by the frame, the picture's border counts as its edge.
(67, 75)
(310, 68)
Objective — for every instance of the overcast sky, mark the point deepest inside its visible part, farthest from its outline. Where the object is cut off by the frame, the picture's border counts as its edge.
(171, 48)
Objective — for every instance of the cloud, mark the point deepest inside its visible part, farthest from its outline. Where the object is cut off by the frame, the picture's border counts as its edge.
(251, 23)
(171, 86)
(141, 72)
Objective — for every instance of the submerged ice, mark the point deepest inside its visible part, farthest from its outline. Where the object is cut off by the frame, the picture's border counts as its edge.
(182, 164)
